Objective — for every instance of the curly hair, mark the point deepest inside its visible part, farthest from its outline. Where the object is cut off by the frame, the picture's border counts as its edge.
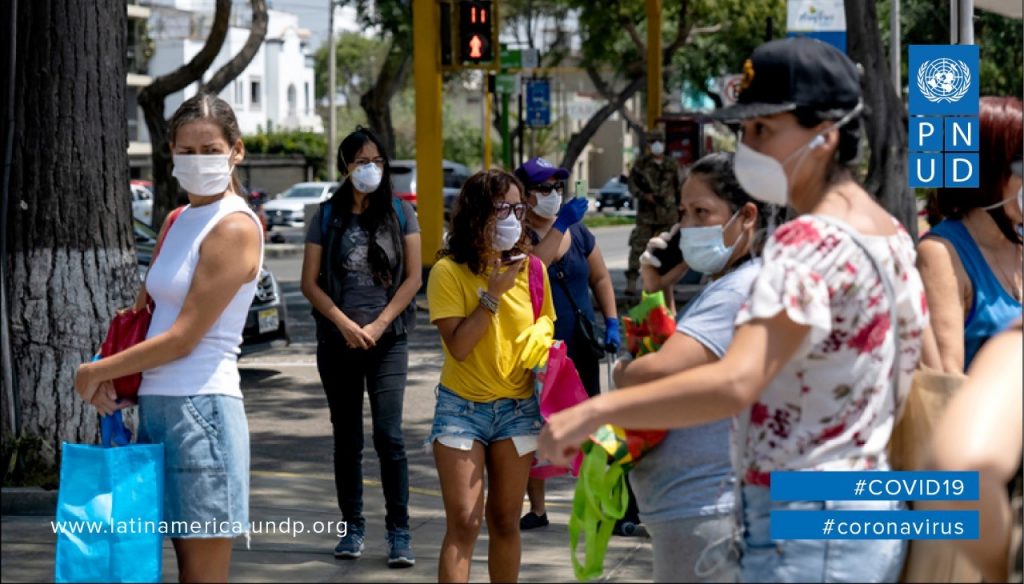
(473, 219)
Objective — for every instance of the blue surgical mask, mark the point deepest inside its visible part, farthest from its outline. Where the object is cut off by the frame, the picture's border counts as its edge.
(704, 248)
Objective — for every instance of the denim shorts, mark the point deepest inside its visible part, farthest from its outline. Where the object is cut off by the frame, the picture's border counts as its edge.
(206, 462)
(458, 422)
(767, 560)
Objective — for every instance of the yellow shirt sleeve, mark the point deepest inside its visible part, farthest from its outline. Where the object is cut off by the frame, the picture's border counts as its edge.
(445, 294)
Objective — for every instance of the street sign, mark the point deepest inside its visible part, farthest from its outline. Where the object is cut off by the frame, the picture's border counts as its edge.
(519, 58)
(538, 103)
(824, 20)
(506, 83)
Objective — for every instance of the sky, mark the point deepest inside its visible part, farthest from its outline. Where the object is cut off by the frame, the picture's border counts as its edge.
(313, 15)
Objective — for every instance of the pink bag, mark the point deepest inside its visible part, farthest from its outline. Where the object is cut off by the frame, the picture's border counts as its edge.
(558, 382)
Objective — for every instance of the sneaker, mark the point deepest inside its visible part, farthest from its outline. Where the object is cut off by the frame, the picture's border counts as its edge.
(400, 549)
(351, 546)
(532, 521)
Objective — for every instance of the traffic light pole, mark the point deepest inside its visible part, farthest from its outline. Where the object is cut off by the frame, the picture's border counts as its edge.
(486, 125)
(653, 62)
(332, 89)
(506, 142)
(429, 144)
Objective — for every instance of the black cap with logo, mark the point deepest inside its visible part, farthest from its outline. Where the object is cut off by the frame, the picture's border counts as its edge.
(798, 72)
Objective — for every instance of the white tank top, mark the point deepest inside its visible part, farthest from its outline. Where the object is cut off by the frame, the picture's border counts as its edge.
(212, 367)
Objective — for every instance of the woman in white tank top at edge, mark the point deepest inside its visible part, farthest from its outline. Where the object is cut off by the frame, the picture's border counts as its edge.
(202, 283)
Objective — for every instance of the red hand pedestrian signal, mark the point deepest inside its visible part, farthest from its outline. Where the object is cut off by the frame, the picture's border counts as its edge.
(475, 44)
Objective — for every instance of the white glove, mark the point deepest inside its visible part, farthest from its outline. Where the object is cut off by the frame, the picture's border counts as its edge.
(657, 242)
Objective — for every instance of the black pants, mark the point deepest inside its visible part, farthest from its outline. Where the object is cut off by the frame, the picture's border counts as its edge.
(588, 366)
(382, 371)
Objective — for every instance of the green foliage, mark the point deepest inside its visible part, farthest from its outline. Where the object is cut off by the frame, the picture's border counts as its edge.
(311, 145)
(602, 220)
(358, 58)
(741, 28)
(1000, 40)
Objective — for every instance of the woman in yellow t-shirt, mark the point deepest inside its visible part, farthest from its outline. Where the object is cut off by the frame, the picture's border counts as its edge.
(486, 415)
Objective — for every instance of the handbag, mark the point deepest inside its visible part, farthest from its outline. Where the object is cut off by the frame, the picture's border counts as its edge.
(584, 338)
(109, 510)
(129, 328)
(911, 438)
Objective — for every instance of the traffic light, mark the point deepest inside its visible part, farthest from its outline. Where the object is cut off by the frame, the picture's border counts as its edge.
(476, 27)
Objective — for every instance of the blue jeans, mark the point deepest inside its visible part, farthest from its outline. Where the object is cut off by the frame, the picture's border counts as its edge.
(767, 560)
(381, 372)
(206, 461)
(459, 422)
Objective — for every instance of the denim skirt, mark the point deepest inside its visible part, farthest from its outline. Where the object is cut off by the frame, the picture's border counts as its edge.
(206, 462)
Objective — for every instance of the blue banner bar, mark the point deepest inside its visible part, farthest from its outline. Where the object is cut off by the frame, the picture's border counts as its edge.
(874, 524)
(874, 486)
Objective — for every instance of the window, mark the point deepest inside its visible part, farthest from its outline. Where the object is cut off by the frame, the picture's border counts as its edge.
(291, 100)
(307, 102)
(255, 94)
(131, 110)
(239, 92)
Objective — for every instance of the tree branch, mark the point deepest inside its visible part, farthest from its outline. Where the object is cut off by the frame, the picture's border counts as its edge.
(683, 26)
(181, 77)
(239, 62)
(630, 27)
(606, 92)
(580, 139)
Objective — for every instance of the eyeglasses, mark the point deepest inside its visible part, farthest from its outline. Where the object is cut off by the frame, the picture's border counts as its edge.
(505, 208)
(364, 161)
(546, 188)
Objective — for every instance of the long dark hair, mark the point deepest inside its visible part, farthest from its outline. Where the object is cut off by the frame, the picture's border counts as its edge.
(716, 170)
(474, 217)
(379, 213)
(1001, 136)
(208, 107)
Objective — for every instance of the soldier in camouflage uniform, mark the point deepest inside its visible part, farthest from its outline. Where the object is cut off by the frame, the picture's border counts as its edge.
(655, 183)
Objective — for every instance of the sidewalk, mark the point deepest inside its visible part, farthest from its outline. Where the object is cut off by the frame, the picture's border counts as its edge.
(292, 478)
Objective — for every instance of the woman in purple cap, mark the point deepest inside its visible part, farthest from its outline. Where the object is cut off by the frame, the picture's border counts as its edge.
(575, 268)
(825, 345)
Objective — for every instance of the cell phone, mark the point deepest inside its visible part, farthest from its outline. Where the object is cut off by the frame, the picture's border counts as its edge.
(514, 259)
(580, 190)
(670, 257)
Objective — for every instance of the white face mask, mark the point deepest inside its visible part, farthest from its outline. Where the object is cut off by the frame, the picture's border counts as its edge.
(203, 175)
(547, 205)
(657, 148)
(366, 178)
(764, 177)
(704, 248)
(507, 232)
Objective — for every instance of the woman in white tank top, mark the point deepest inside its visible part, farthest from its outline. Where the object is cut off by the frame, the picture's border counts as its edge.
(202, 283)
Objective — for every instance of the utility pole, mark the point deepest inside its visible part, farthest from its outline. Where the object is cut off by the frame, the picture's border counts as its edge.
(895, 50)
(332, 90)
(653, 9)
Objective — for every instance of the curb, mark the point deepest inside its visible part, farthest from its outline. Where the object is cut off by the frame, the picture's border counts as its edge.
(28, 501)
(283, 250)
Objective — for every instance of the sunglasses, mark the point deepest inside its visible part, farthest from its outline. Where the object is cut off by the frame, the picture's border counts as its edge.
(546, 188)
(503, 209)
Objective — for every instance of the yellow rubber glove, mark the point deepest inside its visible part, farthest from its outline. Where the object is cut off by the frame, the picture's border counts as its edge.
(535, 341)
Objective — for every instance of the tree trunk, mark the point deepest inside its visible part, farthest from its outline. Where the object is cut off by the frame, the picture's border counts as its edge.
(579, 140)
(377, 101)
(70, 255)
(152, 97)
(885, 117)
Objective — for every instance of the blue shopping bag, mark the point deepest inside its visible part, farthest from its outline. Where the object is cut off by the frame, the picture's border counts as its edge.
(109, 509)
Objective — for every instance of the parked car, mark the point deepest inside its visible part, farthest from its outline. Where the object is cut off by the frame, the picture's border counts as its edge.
(142, 200)
(614, 195)
(403, 178)
(268, 313)
(289, 208)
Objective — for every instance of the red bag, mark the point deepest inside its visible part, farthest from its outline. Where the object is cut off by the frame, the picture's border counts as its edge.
(130, 327)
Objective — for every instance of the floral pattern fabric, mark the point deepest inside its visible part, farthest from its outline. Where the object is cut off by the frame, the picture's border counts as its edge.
(831, 406)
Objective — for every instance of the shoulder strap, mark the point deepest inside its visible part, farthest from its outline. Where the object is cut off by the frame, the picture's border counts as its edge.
(399, 211)
(536, 278)
(325, 219)
(171, 218)
(890, 292)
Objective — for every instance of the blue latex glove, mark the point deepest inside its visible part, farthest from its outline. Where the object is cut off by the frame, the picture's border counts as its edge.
(571, 213)
(612, 338)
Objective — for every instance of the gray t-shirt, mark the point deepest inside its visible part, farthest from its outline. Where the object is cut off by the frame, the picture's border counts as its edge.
(362, 299)
(690, 473)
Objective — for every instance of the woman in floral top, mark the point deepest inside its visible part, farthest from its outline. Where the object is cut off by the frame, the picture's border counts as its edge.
(809, 371)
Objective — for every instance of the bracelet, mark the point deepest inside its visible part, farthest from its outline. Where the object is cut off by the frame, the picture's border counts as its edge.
(490, 303)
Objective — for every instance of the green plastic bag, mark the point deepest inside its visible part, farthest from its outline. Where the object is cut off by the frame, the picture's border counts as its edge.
(600, 500)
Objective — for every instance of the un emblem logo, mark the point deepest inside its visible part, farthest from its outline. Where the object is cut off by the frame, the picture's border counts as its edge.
(944, 80)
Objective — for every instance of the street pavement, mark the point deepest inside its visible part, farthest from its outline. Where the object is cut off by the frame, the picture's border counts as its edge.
(292, 476)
